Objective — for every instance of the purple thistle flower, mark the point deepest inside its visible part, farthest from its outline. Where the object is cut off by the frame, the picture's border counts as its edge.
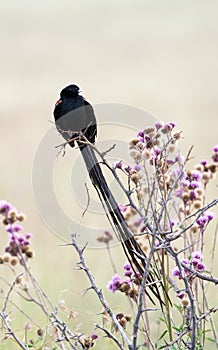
(194, 184)
(202, 221)
(128, 168)
(128, 274)
(173, 223)
(28, 235)
(137, 167)
(147, 138)
(215, 149)
(193, 195)
(141, 139)
(140, 134)
(118, 165)
(137, 274)
(185, 182)
(201, 266)
(115, 283)
(172, 124)
(210, 215)
(26, 242)
(197, 255)
(20, 239)
(128, 270)
(215, 157)
(13, 228)
(157, 151)
(176, 273)
(170, 161)
(180, 294)
(158, 125)
(195, 262)
(185, 261)
(169, 126)
(94, 336)
(127, 266)
(179, 193)
(196, 175)
(138, 222)
(5, 207)
(204, 162)
(122, 208)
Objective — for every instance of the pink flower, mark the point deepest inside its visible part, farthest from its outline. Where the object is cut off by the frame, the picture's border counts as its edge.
(115, 283)
(210, 215)
(176, 273)
(202, 221)
(201, 266)
(5, 207)
(180, 294)
(122, 207)
(13, 228)
(215, 149)
(158, 125)
(118, 165)
(197, 255)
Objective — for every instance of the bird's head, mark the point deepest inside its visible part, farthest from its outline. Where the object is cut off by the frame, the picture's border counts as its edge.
(70, 91)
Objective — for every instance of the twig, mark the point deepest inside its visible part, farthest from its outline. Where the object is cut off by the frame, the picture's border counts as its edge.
(111, 336)
(64, 330)
(9, 293)
(83, 266)
(10, 332)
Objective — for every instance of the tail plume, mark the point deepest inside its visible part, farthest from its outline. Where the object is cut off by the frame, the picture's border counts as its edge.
(133, 251)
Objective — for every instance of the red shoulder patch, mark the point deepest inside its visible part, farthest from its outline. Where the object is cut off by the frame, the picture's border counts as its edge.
(58, 102)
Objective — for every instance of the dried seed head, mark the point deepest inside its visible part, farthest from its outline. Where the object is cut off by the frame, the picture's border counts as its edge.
(194, 228)
(133, 141)
(21, 217)
(185, 302)
(185, 197)
(197, 204)
(5, 221)
(213, 168)
(206, 176)
(40, 332)
(14, 261)
(6, 258)
(199, 167)
(122, 321)
(147, 154)
(200, 192)
(125, 287)
(133, 293)
(12, 214)
(30, 253)
(18, 280)
(172, 148)
(128, 318)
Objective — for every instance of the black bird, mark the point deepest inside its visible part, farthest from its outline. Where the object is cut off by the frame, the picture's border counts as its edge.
(75, 120)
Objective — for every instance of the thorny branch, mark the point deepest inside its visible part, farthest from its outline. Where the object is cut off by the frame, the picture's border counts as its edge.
(83, 265)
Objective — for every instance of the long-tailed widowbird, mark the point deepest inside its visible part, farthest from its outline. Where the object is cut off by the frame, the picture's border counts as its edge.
(75, 120)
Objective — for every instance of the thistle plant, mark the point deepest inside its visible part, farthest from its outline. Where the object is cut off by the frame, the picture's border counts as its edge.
(168, 212)
(167, 209)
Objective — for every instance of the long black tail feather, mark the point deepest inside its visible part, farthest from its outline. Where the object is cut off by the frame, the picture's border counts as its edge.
(133, 251)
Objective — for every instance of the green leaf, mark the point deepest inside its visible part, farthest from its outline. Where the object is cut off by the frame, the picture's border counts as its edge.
(211, 339)
(163, 334)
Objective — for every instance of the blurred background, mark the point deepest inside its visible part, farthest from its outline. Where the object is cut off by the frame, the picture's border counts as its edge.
(159, 56)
